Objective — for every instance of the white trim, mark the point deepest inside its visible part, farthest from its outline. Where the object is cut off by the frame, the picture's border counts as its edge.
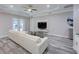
(3, 36)
(58, 35)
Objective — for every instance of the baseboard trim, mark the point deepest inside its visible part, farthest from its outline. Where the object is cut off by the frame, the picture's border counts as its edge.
(58, 36)
(3, 36)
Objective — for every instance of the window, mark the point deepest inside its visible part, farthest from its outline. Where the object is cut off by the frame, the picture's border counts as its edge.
(21, 25)
(18, 24)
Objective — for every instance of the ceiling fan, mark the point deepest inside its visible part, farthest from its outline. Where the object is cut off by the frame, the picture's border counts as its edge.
(30, 8)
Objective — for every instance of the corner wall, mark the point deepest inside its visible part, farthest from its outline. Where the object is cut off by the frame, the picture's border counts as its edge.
(6, 23)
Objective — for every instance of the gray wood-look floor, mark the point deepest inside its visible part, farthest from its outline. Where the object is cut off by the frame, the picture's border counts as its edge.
(59, 45)
(56, 45)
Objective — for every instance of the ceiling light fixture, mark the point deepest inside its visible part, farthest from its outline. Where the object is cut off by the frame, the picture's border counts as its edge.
(11, 6)
(48, 6)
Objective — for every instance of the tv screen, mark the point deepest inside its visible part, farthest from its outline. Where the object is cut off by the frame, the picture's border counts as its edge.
(42, 25)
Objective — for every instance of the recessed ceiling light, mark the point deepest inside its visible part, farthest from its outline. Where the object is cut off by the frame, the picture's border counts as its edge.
(11, 6)
(48, 6)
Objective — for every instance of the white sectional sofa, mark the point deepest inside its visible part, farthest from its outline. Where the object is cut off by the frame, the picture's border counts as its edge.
(33, 44)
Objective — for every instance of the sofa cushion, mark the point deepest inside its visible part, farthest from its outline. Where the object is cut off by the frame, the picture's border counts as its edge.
(34, 38)
(25, 34)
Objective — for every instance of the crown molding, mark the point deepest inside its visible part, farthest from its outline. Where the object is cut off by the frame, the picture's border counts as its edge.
(52, 12)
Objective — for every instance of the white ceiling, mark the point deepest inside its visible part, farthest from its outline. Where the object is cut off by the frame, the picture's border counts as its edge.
(18, 9)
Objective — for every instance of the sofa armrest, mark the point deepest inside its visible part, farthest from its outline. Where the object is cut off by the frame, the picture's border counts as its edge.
(43, 40)
(42, 45)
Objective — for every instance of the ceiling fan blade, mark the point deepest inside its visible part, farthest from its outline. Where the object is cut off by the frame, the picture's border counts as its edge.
(25, 10)
(30, 6)
(34, 9)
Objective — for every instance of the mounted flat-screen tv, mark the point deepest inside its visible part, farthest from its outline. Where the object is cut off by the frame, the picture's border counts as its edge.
(42, 25)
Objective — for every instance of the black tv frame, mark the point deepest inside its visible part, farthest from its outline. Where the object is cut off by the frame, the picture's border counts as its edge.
(42, 25)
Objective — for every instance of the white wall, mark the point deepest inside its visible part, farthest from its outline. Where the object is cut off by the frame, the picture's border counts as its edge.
(76, 27)
(76, 19)
(6, 23)
(57, 23)
(34, 24)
